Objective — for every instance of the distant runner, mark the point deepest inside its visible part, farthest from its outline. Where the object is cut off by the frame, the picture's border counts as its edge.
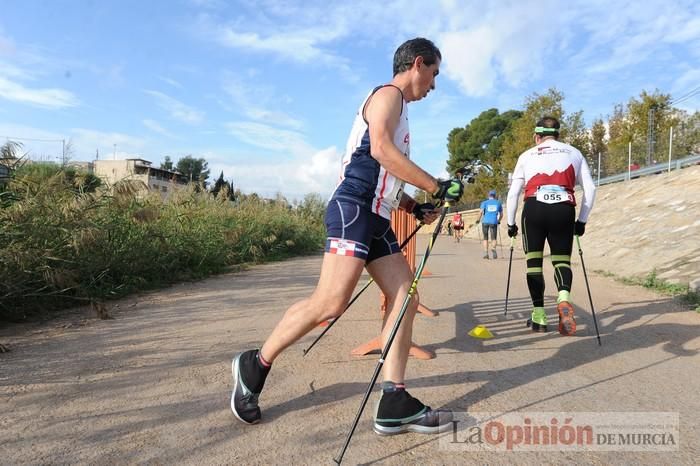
(458, 226)
(490, 215)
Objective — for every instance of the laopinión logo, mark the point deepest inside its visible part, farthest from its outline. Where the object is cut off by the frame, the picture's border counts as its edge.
(555, 431)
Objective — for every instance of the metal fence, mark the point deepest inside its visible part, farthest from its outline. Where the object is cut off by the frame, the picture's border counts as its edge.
(651, 170)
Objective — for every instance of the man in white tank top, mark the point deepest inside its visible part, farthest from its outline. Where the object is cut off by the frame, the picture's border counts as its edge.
(375, 167)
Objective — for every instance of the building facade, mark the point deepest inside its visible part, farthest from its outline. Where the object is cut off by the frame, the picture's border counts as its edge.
(156, 179)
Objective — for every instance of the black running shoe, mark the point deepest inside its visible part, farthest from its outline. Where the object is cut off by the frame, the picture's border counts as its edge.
(399, 412)
(248, 380)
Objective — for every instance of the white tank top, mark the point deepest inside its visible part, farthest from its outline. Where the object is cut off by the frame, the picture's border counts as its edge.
(362, 178)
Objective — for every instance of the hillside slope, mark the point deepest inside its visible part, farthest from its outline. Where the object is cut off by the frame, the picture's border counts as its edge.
(645, 224)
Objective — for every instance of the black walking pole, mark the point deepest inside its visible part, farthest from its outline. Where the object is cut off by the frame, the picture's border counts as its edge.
(392, 335)
(369, 282)
(583, 265)
(510, 264)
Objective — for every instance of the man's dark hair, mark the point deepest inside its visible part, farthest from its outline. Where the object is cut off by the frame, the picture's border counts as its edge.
(548, 126)
(407, 52)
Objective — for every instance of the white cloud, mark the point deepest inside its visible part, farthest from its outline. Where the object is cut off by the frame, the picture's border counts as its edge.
(177, 109)
(474, 70)
(47, 145)
(686, 31)
(14, 131)
(689, 80)
(88, 141)
(617, 36)
(495, 44)
(300, 43)
(41, 97)
(254, 101)
(211, 4)
(295, 177)
(171, 81)
(157, 128)
(321, 172)
(269, 137)
(38, 144)
(274, 117)
(14, 72)
(7, 46)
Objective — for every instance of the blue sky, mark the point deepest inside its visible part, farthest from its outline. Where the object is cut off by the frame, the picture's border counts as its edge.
(267, 90)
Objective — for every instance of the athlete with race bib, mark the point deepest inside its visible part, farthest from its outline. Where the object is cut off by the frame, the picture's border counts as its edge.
(359, 236)
(458, 226)
(548, 172)
(490, 214)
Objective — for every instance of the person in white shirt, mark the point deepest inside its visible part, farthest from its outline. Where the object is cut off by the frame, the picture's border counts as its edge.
(548, 173)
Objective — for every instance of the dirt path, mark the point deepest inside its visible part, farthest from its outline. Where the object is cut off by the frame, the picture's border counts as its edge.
(153, 385)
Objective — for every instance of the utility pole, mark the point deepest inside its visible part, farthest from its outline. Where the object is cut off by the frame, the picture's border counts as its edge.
(629, 161)
(63, 152)
(670, 148)
(598, 168)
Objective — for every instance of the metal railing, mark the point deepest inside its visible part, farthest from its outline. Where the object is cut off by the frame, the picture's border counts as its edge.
(651, 170)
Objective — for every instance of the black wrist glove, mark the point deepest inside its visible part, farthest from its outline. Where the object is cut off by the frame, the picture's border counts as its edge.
(512, 231)
(421, 209)
(579, 228)
(449, 190)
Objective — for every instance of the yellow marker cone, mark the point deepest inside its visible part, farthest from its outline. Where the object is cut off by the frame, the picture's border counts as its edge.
(480, 332)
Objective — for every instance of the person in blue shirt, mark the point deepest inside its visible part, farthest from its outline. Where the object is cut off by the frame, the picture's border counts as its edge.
(490, 214)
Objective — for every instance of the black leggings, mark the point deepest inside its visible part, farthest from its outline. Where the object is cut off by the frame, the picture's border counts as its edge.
(554, 223)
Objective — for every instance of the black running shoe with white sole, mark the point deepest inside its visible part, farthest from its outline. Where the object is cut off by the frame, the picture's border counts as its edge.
(248, 380)
(398, 412)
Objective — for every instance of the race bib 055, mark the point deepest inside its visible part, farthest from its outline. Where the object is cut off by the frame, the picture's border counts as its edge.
(553, 194)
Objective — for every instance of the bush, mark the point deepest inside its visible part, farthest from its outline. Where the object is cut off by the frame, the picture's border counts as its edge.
(64, 244)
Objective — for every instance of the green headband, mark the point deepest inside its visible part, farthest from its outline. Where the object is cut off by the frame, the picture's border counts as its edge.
(542, 129)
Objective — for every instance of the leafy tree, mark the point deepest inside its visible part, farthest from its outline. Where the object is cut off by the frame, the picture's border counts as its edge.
(638, 114)
(10, 160)
(620, 137)
(686, 133)
(312, 208)
(68, 152)
(223, 186)
(630, 124)
(167, 164)
(520, 138)
(598, 144)
(575, 133)
(480, 139)
(421, 196)
(195, 170)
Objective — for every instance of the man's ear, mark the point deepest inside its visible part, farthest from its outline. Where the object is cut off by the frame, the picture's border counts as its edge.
(418, 61)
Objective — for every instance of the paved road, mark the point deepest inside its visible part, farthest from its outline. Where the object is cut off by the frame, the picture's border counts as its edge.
(152, 386)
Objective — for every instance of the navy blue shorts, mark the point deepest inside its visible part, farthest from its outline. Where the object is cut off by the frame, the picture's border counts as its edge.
(355, 231)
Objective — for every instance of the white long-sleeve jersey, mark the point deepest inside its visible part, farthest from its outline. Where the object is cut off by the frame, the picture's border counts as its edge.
(551, 163)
